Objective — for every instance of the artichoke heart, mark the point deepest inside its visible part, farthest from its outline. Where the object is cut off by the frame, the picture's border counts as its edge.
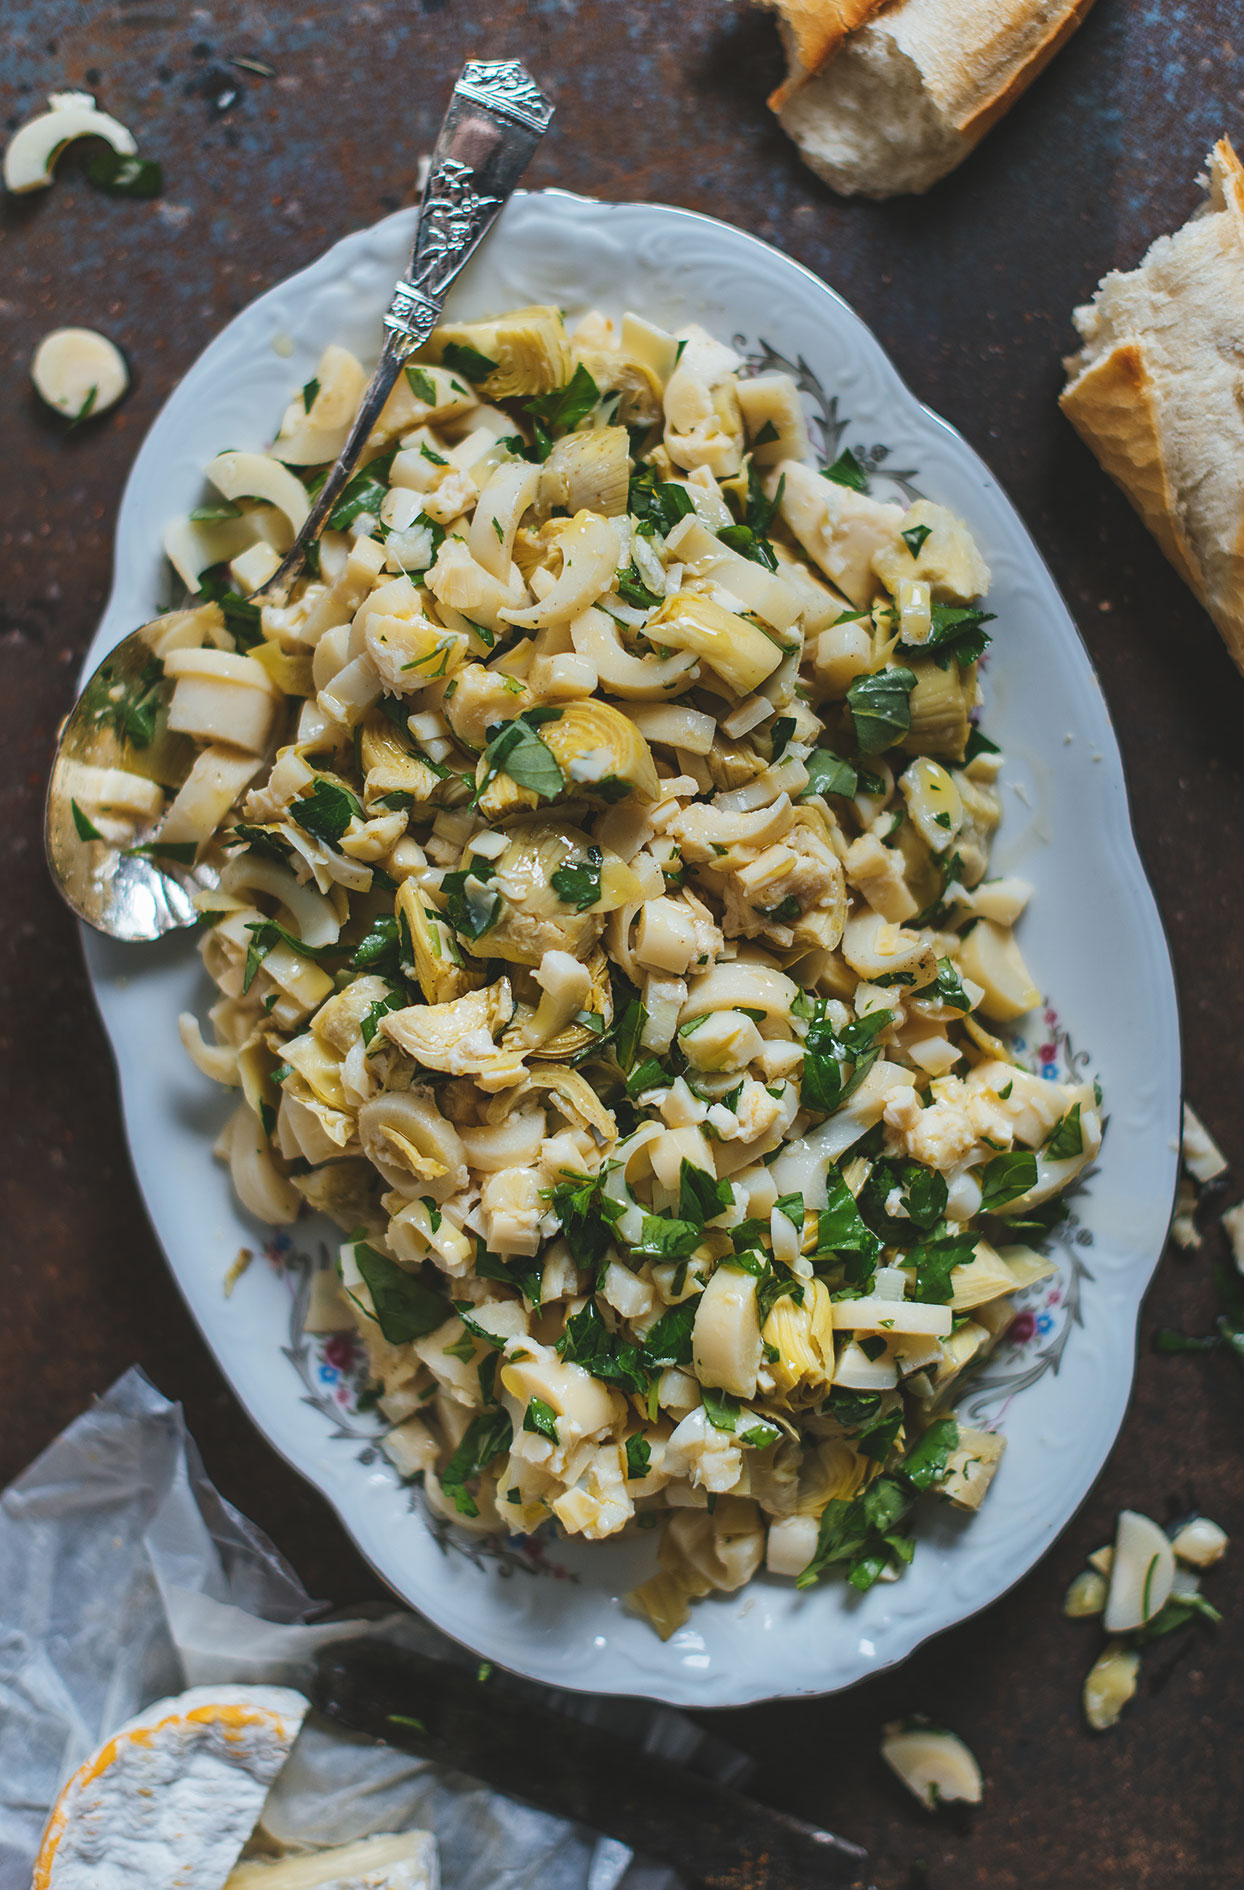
(638, 387)
(529, 347)
(600, 752)
(458, 1038)
(589, 471)
(940, 703)
(740, 652)
(534, 918)
(576, 1036)
(389, 767)
(434, 949)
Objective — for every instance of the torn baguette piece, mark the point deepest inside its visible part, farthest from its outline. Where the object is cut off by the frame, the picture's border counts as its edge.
(883, 100)
(1156, 393)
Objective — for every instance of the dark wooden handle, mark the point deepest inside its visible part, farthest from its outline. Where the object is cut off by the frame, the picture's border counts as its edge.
(715, 1835)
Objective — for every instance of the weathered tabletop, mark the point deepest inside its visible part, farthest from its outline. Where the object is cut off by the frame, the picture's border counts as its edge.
(971, 291)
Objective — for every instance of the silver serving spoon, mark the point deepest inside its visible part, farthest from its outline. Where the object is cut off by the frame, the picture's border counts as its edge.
(496, 118)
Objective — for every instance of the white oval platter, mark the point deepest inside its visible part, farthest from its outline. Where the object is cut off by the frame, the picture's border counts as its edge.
(555, 1611)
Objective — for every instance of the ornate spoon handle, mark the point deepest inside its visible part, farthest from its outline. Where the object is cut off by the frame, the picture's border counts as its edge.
(497, 116)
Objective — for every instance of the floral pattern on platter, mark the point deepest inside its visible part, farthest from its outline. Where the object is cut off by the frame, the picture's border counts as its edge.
(828, 428)
(1051, 1311)
(337, 1384)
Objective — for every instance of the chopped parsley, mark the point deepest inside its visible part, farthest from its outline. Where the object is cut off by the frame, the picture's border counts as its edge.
(880, 706)
(577, 883)
(847, 471)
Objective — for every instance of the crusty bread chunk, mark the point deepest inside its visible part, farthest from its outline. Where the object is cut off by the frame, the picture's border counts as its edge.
(886, 99)
(1157, 392)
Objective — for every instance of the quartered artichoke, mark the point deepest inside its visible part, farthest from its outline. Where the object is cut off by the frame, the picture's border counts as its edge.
(528, 349)
(600, 752)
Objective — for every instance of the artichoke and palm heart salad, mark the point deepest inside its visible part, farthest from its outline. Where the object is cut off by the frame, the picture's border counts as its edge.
(604, 940)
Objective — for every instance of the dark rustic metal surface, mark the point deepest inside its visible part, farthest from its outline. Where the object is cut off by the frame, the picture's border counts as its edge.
(970, 289)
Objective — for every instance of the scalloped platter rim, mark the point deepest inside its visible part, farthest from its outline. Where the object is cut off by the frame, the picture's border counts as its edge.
(555, 1611)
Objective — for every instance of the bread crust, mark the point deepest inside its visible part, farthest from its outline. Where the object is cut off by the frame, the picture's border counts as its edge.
(813, 30)
(1113, 407)
(973, 59)
(1169, 429)
(986, 114)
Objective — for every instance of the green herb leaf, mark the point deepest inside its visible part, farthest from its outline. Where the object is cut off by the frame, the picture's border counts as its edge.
(880, 706)
(128, 708)
(485, 1438)
(828, 774)
(638, 1457)
(633, 590)
(519, 752)
(978, 744)
(947, 987)
(461, 359)
(935, 1261)
(720, 1408)
(825, 1084)
(645, 1075)
(405, 1309)
(381, 950)
(847, 471)
(701, 1197)
(542, 1419)
(841, 1230)
(664, 1238)
(668, 1343)
(87, 830)
(471, 906)
(914, 538)
(266, 934)
(749, 545)
(587, 1341)
(181, 852)
(123, 176)
(216, 513)
(422, 386)
(577, 883)
(370, 1024)
(779, 736)
(562, 410)
(363, 493)
(587, 1216)
(658, 503)
(326, 811)
(925, 1463)
(958, 631)
(629, 1032)
(1067, 1139)
(1005, 1178)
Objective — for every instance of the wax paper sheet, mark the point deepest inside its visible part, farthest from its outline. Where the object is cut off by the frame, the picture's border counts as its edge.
(126, 1576)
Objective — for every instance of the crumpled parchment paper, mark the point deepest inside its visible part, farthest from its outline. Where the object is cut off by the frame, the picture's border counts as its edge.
(125, 1576)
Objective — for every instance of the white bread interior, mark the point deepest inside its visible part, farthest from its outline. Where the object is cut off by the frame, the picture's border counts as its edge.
(902, 98)
(1157, 392)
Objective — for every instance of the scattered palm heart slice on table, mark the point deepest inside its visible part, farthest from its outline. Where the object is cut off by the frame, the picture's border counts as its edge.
(933, 1764)
(169, 1801)
(31, 154)
(79, 372)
